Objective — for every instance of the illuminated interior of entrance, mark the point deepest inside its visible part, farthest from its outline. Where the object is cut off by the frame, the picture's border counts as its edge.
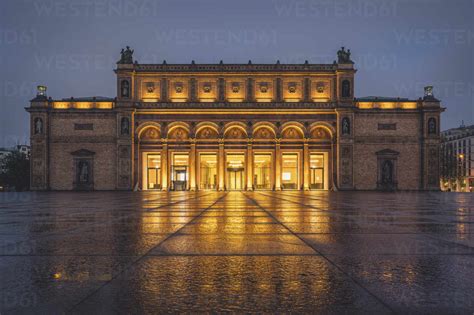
(262, 171)
(153, 171)
(179, 172)
(235, 171)
(208, 171)
(316, 163)
(290, 171)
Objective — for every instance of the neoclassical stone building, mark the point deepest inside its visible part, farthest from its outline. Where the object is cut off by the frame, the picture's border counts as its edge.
(235, 127)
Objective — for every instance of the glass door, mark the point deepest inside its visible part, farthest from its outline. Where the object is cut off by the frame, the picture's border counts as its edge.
(179, 172)
(208, 171)
(153, 171)
(290, 171)
(235, 171)
(316, 163)
(262, 169)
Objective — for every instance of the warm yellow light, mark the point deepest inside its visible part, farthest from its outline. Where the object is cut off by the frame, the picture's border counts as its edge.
(387, 105)
(365, 105)
(320, 100)
(235, 100)
(104, 105)
(264, 100)
(207, 100)
(150, 100)
(408, 105)
(61, 105)
(83, 105)
(179, 100)
(292, 100)
(461, 156)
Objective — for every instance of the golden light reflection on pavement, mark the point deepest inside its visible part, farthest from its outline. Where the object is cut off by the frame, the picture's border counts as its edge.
(288, 251)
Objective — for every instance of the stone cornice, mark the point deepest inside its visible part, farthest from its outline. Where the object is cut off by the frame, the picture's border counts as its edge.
(232, 68)
(237, 105)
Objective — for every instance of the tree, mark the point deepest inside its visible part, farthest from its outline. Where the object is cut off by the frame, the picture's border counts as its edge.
(17, 171)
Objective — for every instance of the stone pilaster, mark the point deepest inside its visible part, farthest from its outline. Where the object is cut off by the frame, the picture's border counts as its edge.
(249, 165)
(164, 165)
(221, 161)
(278, 165)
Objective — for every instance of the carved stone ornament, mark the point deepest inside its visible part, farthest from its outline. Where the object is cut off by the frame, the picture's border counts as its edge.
(207, 87)
(320, 87)
(292, 87)
(150, 87)
(178, 87)
(263, 87)
(235, 87)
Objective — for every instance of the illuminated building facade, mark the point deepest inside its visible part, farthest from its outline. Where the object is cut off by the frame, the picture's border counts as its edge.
(235, 127)
(457, 159)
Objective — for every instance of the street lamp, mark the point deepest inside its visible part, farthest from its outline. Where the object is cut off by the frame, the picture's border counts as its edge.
(460, 171)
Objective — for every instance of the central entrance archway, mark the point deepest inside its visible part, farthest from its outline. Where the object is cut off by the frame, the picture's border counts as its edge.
(235, 169)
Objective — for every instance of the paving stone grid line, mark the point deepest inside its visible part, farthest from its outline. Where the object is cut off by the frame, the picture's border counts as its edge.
(279, 224)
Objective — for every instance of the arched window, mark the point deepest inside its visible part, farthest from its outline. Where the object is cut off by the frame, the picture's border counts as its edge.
(346, 88)
(432, 128)
(346, 126)
(125, 88)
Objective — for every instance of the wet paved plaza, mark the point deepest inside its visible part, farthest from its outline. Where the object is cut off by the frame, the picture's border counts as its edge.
(150, 252)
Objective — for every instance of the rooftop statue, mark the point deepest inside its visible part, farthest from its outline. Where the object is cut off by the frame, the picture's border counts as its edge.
(344, 56)
(126, 56)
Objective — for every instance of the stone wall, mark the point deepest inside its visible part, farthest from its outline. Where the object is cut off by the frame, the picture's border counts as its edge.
(83, 131)
(398, 132)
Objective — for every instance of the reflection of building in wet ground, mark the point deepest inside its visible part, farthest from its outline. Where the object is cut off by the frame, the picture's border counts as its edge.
(248, 252)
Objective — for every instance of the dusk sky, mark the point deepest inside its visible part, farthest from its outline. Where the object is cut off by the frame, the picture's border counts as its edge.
(71, 46)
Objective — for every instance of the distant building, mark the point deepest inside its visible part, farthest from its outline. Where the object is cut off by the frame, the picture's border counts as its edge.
(23, 148)
(235, 127)
(457, 159)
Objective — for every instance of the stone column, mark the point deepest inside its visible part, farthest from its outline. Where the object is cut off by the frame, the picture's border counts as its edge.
(306, 165)
(164, 165)
(249, 165)
(277, 165)
(221, 161)
(192, 166)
